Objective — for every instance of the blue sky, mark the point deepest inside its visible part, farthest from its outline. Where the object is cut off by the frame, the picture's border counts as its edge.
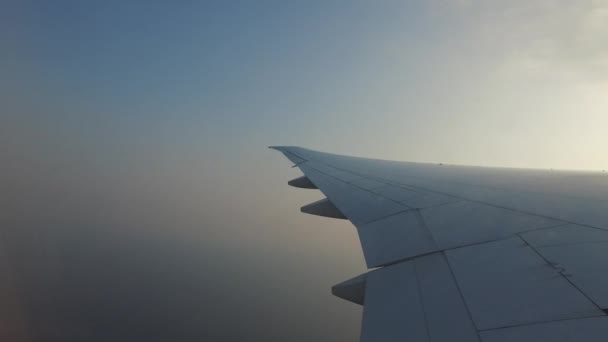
(400, 80)
(146, 123)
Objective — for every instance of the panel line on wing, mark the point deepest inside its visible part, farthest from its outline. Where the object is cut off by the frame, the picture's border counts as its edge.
(353, 185)
(560, 271)
(420, 219)
(494, 205)
(539, 323)
(390, 215)
(421, 299)
(573, 243)
(415, 187)
(457, 247)
(466, 305)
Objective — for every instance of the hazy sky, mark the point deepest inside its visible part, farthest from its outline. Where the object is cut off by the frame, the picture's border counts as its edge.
(142, 201)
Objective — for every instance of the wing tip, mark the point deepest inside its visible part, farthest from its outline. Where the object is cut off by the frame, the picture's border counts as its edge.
(278, 148)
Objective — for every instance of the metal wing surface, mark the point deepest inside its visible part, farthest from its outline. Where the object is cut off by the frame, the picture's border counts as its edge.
(464, 253)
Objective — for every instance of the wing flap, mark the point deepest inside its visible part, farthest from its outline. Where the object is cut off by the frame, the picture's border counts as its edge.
(416, 300)
(393, 310)
(506, 283)
(447, 316)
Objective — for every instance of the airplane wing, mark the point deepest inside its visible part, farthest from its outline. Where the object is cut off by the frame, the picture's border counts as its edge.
(463, 253)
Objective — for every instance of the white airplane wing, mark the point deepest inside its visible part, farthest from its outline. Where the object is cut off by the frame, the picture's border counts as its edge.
(469, 253)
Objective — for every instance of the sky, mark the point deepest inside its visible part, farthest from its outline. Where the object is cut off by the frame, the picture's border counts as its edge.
(141, 202)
